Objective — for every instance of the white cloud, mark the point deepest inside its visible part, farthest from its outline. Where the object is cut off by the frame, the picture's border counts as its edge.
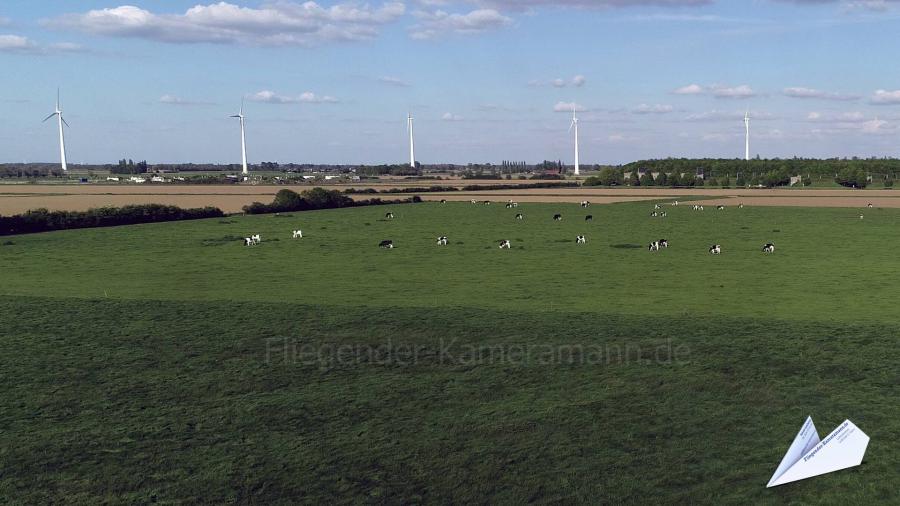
(451, 117)
(690, 89)
(578, 81)
(717, 115)
(438, 23)
(885, 97)
(558, 83)
(393, 81)
(528, 4)
(813, 116)
(24, 45)
(277, 23)
(652, 109)
(308, 97)
(717, 90)
(174, 100)
(568, 107)
(800, 92)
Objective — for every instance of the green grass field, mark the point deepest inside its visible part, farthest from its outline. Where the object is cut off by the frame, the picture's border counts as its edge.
(168, 363)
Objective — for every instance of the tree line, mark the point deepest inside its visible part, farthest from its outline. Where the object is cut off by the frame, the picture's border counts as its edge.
(43, 220)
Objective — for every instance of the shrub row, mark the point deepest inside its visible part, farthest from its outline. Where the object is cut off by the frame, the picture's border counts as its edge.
(42, 220)
(316, 198)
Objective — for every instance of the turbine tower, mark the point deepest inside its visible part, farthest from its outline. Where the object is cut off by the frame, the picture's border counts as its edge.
(240, 116)
(574, 125)
(747, 135)
(62, 140)
(412, 144)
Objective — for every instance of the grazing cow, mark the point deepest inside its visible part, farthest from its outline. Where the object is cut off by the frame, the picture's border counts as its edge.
(520, 216)
(515, 204)
(585, 203)
(741, 205)
(589, 217)
(870, 205)
(656, 206)
(509, 205)
(675, 203)
(654, 214)
(504, 244)
(442, 240)
(696, 207)
(664, 214)
(769, 248)
(580, 239)
(473, 201)
(487, 202)
(720, 208)
(663, 243)
(443, 201)
(248, 241)
(654, 246)
(715, 249)
(387, 244)
(389, 216)
(860, 216)
(557, 217)
(297, 234)
(256, 239)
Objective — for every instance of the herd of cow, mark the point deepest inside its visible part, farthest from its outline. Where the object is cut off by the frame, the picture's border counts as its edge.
(715, 249)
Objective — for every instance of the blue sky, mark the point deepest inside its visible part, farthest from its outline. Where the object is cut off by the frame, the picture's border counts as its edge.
(487, 80)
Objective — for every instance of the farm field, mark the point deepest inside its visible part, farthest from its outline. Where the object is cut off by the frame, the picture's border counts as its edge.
(168, 363)
(18, 198)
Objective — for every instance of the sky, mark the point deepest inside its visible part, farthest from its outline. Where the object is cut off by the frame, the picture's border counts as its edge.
(486, 80)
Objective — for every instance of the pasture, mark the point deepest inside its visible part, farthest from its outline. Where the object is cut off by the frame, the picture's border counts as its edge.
(169, 363)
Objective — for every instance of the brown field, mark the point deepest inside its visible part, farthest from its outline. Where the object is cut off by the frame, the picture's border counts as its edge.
(17, 198)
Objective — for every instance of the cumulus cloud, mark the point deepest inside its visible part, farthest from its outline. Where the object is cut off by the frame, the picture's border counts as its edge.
(577, 81)
(438, 23)
(270, 97)
(652, 109)
(528, 4)
(448, 116)
(885, 97)
(174, 100)
(277, 23)
(568, 107)
(800, 92)
(393, 81)
(717, 90)
(717, 115)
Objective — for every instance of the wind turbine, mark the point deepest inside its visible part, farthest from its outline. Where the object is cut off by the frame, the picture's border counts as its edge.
(574, 125)
(747, 135)
(412, 144)
(240, 116)
(62, 141)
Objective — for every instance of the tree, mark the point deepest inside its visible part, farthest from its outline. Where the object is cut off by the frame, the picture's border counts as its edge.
(634, 179)
(647, 179)
(662, 179)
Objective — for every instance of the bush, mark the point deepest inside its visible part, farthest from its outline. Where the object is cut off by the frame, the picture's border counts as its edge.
(43, 220)
(316, 198)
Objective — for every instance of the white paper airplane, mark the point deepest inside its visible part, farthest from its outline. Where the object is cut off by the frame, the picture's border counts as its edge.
(809, 456)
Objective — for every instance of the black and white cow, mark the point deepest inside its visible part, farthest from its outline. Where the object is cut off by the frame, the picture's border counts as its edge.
(487, 202)
(585, 203)
(248, 241)
(869, 205)
(442, 240)
(589, 217)
(256, 238)
(557, 217)
(389, 216)
(656, 206)
(720, 208)
(474, 202)
(715, 249)
(443, 201)
(654, 246)
(769, 248)
(663, 214)
(520, 216)
(505, 244)
(387, 244)
(580, 239)
(663, 243)
(654, 214)
(297, 234)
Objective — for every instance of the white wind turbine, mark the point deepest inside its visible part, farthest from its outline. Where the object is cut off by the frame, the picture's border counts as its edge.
(574, 125)
(747, 135)
(412, 144)
(240, 116)
(62, 140)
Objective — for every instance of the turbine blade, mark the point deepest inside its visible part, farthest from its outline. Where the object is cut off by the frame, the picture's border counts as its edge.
(572, 124)
(48, 117)
(64, 121)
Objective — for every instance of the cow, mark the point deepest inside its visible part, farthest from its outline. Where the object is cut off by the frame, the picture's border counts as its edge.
(656, 206)
(589, 217)
(663, 214)
(474, 202)
(248, 241)
(860, 216)
(654, 246)
(386, 244)
(297, 234)
(580, 239)
(487, 202)
(715, 249)
(675, 203)
(869, 205)
(585, 203)
(442, 240)
(256, 239)
(557, 217)
(443, 201)
(504, 244)
(663, 243)
(520, 216)
(696, 207)
(720, 208)
(389, 216)
(509, 205)
(741, 205)
(769, 248)
(654, 214)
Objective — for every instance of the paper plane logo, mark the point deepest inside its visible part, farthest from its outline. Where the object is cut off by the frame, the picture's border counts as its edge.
(810, 456)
